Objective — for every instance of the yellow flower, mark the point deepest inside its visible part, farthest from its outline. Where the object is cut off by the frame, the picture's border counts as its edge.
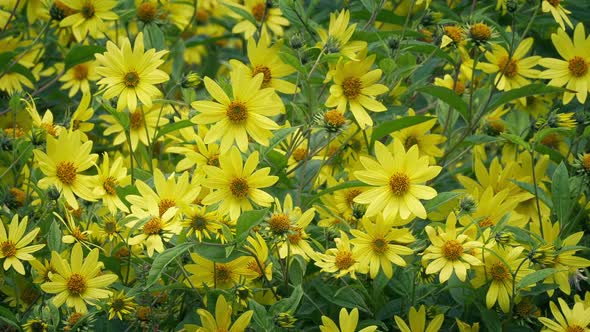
(219, 275)
(397, 178)
(156, 228)
(14, 246)
(236, 184)
(222, 320)
(348, 322)
(449, 251)
(559, 13)
(573, 70)
(337, 38)
(89, 17)
(419, 135)
(77, 283)
(417, 320)
(381, 245)
(201, 222)
(110, 177)
(340, 261)
(78, 78)
(270, 18)
(258, 263)
(245, 115)
(465, 327)
(196, 153)
(355, 85)
(120, 305)
(46, 123)
(512, 71)
(131, 74)
(82, 114)
(575, 319)
(65, 160)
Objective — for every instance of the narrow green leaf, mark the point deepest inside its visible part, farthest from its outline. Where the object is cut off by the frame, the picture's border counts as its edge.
(54, 237)
(246, 221)
(289, 304)
(448, 96)
(535, 277)
(515, 139)
(345, 185)
(81, 53)
(440, 200)
(8, 317)
(560, 192)
(5, 58)
(172, 127)
(531, 189)
(528, 90)
(297, 270)
(389, 127)
(163, 259)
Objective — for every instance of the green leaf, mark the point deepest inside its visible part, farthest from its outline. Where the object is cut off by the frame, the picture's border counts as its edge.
(389, 127)
(440, 200)
(515, 139)
(535, 277)
(289, 304)
(560, 192)
(54, 237)
(246, 221)
(8, 317)
(297, 270)
(163, 259)
(278, 137)
(548, 131)
(81, 53)
(426, 48)
(5, 58)
(341, 186)
(20, 69)
(172, 127)
(490, 318)
(242, 12)
(555, 156)
(531, 189)
(153, 37)
(527, 90)
(121, 117)
(448, 96)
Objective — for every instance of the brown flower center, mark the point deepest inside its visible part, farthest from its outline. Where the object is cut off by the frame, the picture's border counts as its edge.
(334, 118)
(152, 227)
(344, 260)
(66, 172)
(222, 273)
(136, 120)
(265, 71)
(258, 10)
(199, 222)
(80, 72)
(452, 250)
(554, 3)
(351, 194)
(577, 66)
(146, 12)
(213, 160)
(586, 161)
(74, 318)
(499, 271)
(239, 187)
(110, 227)
(131, 79)
(399, 183)
(296, 236)
(165, 204)
(351, 87)
(76, 284)
(480, 32)
(279, 223)
(510, 68)
(237, 112)
(87, 11)
(454, 33)
(109, 185)
(8, 248)
(299, 154)
(459, 88)
(379, 245)
(575, 328)
(410, 141)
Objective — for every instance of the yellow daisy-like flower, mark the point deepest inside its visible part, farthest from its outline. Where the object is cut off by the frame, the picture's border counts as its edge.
(78, 78)
(243, 116)
(271, 19)
(222, 320)
(449, 251)
(397, 178)
(82, 114)
(512, 71)
(558, 12)
(65, 160)
(355, 85)
(417, 320)
(46, 123)
(572, 71)
(201, 222)
(421, 136)
(110, 177)
(15, 247)
(131, 74)
(258, 263)
(120, 305)
(381, 245)
(575, 319)
(219, 275)
(236, 184)
(77, 283)
(348, 322)
(337, 38)
(88, 17)
(156, 228)
(340, 261)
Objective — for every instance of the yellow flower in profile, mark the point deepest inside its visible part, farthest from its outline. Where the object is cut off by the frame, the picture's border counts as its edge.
(575, 319)
(222, 320)
(236, 185)
(131, 74)
(156, 228)
(348, 322)
(449, 251)
(397, 180)
(15, 247)
(63, 164)
(110, 177)
(337, 38)
(258, 262)
(340, 261)
(381, 245)
(512, 71)
(209, 273)
(88, 17)
(271, 19)
(558, 12)
(417, 320)
(78, 78)
(244, 115)
(572, 71)
(422, 136)
(355, 85)
(465, 327)
(82, 114)
(46, 123)
(77, 283)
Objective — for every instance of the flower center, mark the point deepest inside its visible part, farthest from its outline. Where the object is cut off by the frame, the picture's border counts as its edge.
(351, 194)
(586, 161)
(199, 222)
(577, 66)
(299, 154)
(265, 71)
(454, 33)
(480, 32)
(87, 11)
(74, 318)
(399, 183)
(136, 120)
(351, 87)
(131, 79)
(76, 284)
(239, 187)
(279, 223)
(66, 172)
(510, 68)
(344, 260)
(165, 204)
(152, 227)
(499, 271)
(554, 3)
(80, 72)
(334, 118)
(452, 250)
(118, 304)
(551, 140)
(379, 245)
(459, 88)
(237, 112)
(410, 141)
(109, 185)
(50, 129)
(222, 273)
(253, 266)
(110, 227)
(575, 328)
(486, 222)
(79, 234)
(258, 11)
(213, 160)
(296, 236)
(146, 12)
(8, 248)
